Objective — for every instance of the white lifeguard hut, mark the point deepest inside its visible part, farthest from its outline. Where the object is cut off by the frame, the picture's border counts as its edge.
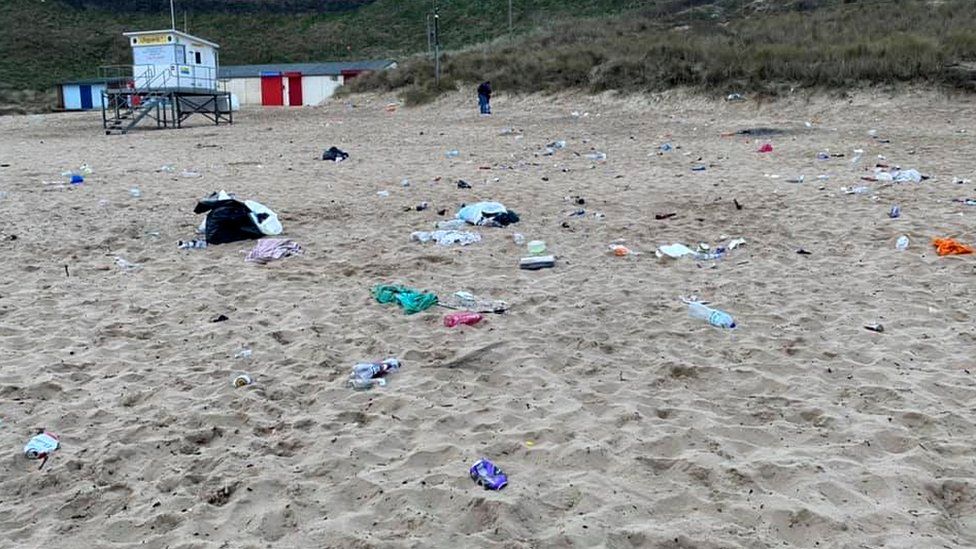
(173, 76)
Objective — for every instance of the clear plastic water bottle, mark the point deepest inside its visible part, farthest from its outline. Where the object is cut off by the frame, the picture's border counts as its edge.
(369, 371)
(715, 317)
(135, 192)
(453, 153)
(902, 243)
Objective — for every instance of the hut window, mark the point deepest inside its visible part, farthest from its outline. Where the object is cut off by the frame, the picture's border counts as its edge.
(197, 55)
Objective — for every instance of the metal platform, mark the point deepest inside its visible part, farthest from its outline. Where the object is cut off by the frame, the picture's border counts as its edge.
(124, 109)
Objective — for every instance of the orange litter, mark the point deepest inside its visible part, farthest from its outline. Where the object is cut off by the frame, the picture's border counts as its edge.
(949, 246)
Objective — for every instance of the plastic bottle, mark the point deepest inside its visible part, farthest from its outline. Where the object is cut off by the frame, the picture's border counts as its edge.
(715, 317)
(519, 238)
(598, 156)
(902, 243)
(453, 153)
(466, 318)
(135, 192)
(370, 370)
(895, 212)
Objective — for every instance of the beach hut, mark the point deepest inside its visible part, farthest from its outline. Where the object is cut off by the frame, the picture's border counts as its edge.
(293, 84)
(170, 59)
(81, 95)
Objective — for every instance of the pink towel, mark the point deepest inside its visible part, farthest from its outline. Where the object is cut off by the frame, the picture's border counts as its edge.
(269, 249)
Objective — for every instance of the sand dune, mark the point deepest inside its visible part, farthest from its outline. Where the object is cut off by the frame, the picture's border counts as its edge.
(621, 421)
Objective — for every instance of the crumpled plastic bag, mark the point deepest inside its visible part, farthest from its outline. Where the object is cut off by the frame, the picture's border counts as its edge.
(410, 300)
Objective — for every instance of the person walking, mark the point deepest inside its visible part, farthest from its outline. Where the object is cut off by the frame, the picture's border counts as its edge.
(484, 97)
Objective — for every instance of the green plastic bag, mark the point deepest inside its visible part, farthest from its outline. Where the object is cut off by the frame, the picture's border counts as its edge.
(410, 300)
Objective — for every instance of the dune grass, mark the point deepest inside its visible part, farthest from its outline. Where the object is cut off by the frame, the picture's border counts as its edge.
(807, 44)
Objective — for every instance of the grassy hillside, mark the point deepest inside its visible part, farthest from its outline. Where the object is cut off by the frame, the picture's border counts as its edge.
(44, 42)
(719, 46)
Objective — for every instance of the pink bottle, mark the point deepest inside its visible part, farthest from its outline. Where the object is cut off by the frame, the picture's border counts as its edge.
(454, 319)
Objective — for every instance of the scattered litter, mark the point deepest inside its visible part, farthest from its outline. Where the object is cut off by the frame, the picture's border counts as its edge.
(422, 206)
(801, 251)
(220, 318)
(875, 328)
(949, 246)
(446, 238)
(243, 380)
(335, 154)
(796, 179)
(467, 318)
(190, 174)
(383, 194)
(41, 446)
(196, 243)
(536, 247)
(854, 190)
(410, 300)
(902, 243)
(230, 219)
(674, 251)
(961, 181)
(85, 169)
(733, 244)
(698, 168)
(76, 179)
(715, 317)
(664, 215)
(823, 156)
(367, 375)
(907, 176)
(270, 249)
(735, 97)
(166, 168)
(620, 250)
(126, 265)
(894, 212)
(766, 148)
(462, 184)
(453, 153)
(134, 192)
(665, 147)
(489, 214)
(486, 474)
(537, 262)
(244, 353)
(966, 201)
(405, 183)
(467, 301)
(597, 156)
(518, 238)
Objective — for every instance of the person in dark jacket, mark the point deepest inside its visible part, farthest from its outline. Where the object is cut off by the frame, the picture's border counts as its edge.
(484, 97)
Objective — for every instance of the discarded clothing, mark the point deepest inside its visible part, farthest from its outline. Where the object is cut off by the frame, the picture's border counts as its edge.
(488, 214)
(270, 249)
(466, 301)
(335, 154)
(410, 300)
(949, 246)
(446, 238)
(230, 219)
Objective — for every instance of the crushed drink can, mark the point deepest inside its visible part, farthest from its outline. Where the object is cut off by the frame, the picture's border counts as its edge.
(41, 446)
(485, 473)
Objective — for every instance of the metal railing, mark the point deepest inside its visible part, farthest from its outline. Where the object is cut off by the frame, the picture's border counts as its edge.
(157, 78)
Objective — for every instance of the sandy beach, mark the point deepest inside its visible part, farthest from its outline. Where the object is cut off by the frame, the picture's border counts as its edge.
(621, 421)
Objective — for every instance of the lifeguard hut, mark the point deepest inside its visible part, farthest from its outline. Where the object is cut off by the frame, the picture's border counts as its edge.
(172, 77)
